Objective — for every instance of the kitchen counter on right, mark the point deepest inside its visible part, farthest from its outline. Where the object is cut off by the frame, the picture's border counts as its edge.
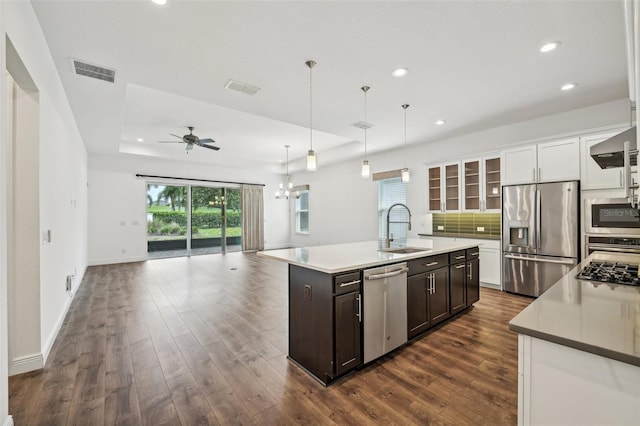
(579, 352)
(601, 318)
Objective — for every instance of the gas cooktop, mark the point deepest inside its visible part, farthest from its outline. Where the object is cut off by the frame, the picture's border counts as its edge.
(611, 272)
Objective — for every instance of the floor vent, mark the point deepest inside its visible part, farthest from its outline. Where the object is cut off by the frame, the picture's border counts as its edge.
(362, 125)
(94, 71)
(241, 87)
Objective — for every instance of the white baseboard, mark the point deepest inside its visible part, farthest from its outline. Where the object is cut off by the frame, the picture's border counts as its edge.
(26, 363)
(112, 261)
(491, 285)
(8, 421)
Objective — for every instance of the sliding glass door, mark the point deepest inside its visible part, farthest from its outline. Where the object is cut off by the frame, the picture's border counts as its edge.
(202, 220)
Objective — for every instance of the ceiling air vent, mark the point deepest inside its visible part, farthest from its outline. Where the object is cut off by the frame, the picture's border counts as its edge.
(362, 125)
(94, 71)
(241, 87)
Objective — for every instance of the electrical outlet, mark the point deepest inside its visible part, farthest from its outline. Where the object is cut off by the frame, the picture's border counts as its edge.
(440, 228)
(480, 228)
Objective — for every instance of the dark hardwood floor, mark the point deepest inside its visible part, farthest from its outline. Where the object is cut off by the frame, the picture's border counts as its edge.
(203, 340)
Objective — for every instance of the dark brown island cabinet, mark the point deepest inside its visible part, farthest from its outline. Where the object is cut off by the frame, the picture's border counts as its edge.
(325, 310)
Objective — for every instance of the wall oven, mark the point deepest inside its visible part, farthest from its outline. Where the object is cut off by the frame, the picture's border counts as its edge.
(611, 225)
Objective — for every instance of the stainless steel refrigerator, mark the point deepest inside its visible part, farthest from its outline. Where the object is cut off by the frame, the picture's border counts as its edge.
(540, 235)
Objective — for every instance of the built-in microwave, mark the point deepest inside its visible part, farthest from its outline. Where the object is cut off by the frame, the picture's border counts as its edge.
(611, 216)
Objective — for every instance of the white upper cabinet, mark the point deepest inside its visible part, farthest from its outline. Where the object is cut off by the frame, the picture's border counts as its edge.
(559, 160)
(545, 162)
(444, 187)
(481, 184)
(592, 176)
(519, 165)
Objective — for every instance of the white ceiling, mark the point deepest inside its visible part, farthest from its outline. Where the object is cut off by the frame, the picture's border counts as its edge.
(475, 64)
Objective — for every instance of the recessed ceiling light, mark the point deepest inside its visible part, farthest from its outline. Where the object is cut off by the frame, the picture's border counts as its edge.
(399, 72)
(568, 86)
(160, 2)
(140, 140)
(440, 122)
(549, 46)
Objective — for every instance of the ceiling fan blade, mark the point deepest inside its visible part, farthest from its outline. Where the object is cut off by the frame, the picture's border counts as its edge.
(179, 137)
(215, 148)
(206, 140)
(170, 141)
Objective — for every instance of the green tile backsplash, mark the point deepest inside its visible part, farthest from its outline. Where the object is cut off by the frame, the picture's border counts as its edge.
(467, 224)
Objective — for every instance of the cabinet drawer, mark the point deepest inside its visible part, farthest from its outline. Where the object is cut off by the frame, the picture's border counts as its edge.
(457, 256)
(473, 253)
(427, 264)
(346, 283)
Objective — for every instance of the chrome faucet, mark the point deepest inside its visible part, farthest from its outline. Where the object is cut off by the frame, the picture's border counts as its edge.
(389, 239)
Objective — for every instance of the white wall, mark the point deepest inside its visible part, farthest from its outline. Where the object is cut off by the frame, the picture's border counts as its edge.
(62, 194)
(117, 203)
(24, 235)
(343, 206)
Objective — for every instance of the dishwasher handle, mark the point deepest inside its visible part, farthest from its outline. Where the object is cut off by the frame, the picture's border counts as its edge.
(387, 274)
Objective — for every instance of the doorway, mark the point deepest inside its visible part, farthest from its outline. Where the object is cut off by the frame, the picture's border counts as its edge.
(187, 220)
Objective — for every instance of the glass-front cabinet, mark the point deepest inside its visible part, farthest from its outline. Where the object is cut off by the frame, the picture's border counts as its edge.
(444, 187)
(481, 184)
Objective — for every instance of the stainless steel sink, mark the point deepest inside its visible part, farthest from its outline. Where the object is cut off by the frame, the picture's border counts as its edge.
(405, 250)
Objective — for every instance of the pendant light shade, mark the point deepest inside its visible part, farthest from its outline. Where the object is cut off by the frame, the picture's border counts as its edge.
(404, 174)
(312, 160)
(366, 170)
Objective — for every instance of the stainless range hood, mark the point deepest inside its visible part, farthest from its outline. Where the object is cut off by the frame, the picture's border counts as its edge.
(610, 153)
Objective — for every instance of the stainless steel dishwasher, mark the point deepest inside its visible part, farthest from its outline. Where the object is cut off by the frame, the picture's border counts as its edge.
(385, 309)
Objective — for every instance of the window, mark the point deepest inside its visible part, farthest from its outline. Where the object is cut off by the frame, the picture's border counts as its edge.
(391, 191)
(302, 212)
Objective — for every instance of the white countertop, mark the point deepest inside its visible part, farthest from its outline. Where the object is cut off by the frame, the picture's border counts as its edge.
(346, 257)
(592, 316)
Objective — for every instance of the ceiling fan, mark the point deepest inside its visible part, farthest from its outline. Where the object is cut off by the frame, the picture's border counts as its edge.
(192, 140)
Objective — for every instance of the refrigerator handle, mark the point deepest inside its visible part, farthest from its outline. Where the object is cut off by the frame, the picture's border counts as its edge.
(541, 259)
(538, 220)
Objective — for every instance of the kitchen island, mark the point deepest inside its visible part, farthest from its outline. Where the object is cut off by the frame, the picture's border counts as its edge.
(351, 303)
(579, 352)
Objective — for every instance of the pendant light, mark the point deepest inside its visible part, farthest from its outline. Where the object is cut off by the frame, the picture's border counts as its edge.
(284, 190)
(404, 175)
(366, 170)
(312, 161)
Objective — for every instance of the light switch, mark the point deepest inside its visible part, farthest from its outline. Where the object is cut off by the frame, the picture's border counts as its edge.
(440, 228)
(480, 229)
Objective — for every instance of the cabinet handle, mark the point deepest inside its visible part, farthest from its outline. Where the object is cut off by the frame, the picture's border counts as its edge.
(474, 254)
(539, 174)
(350, 283)
(460, 257)
(359, 314)
(433, 283)
(470, 272)
(350, 361)
(621, 183)
(460, 266)
(430, 264)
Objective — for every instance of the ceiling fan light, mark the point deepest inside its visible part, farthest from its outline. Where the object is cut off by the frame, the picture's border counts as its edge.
(290, 185)
(366, 169)
(405, 176)
(312, 161)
